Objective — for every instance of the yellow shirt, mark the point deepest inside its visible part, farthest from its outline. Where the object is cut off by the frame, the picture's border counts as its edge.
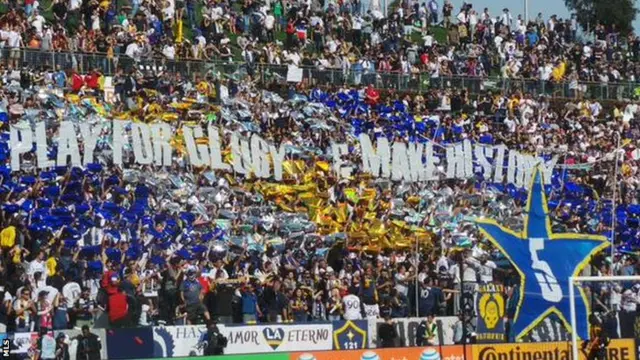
(135, 280)
(8, 236)
(558, 71)
(17, 256)
(617, 113)
(51, 265)
(203, 87)
(179, 33)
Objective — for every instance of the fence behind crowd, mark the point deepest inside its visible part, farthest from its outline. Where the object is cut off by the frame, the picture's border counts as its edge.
(341, 340)
(282, 73)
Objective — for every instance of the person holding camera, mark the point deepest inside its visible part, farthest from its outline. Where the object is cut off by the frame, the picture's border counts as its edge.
(89, 345)
(387, 333)
(214, 342)
(62, 347)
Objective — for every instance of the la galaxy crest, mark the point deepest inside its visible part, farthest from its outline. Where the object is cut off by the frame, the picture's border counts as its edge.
(349, 335)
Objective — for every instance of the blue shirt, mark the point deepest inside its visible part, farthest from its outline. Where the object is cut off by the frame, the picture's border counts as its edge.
(60, 78)
(191, 290)
(60, 318)
(249, 302)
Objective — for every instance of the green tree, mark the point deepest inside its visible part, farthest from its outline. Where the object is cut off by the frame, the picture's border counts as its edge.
(589, 13)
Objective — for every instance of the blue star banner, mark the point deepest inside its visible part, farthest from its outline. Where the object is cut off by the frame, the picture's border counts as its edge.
(544, 261)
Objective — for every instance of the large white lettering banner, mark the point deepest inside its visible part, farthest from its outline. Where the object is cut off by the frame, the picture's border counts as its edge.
(150, 144)
(178, 341)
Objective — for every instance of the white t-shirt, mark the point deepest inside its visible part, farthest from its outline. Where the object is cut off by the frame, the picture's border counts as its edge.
(169, 10)
(486, 271)
(269, 22)
(37, 22)
(13, 39)
(357, 23)
(94, 286)
(545, 72)
(511, 124)
(169, 51)
(48, 347)
(74, 5)
(95, 22)
(469, 275)
(37, 266)
(473, 19)
(214, 272)
(428, 40)
(454, 272)
(401, 287)
(71, 291)
(462, 18)
(629, 112)
(144, 315)
(551, 25)
(629, 301)
(51, 293)
(294, 57)
(333, 46)
(352, 309)
(133, 50)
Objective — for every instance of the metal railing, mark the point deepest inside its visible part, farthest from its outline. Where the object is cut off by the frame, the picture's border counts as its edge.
(415, 82)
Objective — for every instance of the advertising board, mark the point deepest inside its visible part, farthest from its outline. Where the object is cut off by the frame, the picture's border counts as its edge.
(618, 349)
(176, 341)
(450, 352)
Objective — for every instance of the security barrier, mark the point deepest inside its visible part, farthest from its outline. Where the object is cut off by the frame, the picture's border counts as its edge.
(84, 62)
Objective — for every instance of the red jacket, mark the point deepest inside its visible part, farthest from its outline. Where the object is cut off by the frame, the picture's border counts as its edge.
(76, 82)
(92, 80)
(118, 306)
(372, 96)
(106, 284)
(204, 282)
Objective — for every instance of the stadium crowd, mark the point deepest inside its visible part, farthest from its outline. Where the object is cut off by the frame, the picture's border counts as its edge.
(406, 37)
(100, 246)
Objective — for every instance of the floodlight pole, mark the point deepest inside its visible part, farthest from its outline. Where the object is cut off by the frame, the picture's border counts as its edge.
(613, 201)
(572, 310)
(416, 281)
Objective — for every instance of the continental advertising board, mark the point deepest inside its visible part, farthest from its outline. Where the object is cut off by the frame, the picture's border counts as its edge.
(618, 349)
